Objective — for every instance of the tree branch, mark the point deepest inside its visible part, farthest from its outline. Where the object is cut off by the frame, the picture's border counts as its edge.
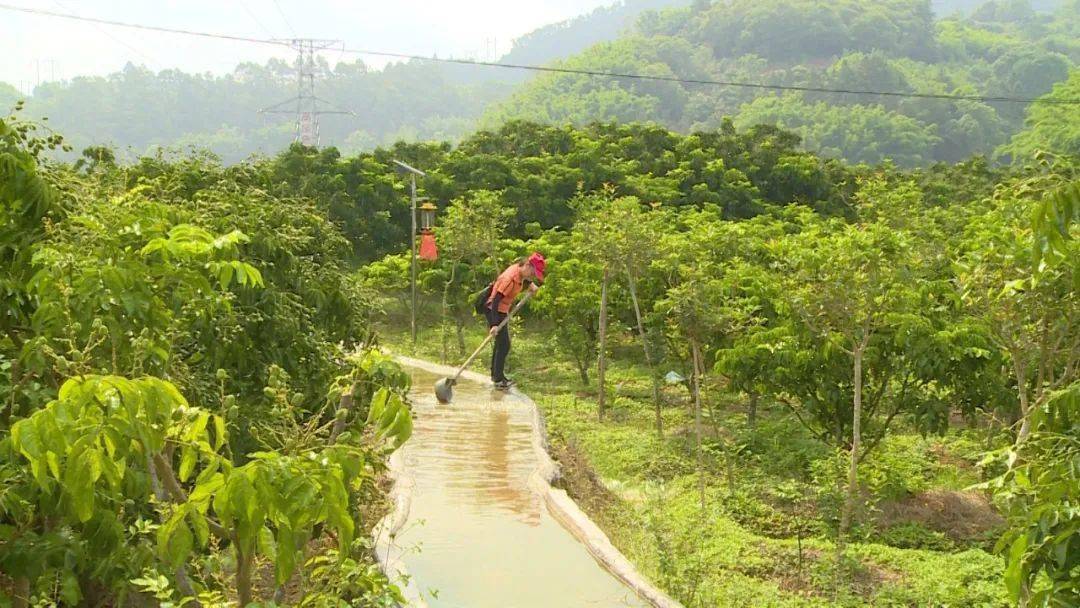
(823, 437)
(183, 582)
(347, 403)
(172, 490)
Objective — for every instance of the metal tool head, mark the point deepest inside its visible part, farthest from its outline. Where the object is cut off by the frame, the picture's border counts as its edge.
(444, 390)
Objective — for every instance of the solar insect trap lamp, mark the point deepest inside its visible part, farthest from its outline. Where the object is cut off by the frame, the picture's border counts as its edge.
(429, 251)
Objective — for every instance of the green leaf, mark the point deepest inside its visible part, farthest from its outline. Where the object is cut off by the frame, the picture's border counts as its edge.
(200, 525)
(80, 488)
(188, 459)
(53, 462)
(401, 428)
(266, 545)
(225, 275)
(287, 552)
(174, 539)
(1014, 570)
(209, 485)
(378, 405)
(220, 434)
(70, 590)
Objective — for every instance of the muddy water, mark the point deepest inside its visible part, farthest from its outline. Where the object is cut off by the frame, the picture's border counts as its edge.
(477, 536)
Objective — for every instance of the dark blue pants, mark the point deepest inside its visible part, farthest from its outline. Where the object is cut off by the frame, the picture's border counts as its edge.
(501, 348)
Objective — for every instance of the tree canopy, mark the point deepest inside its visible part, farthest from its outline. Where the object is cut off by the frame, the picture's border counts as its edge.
(1004, 48)
(897, 46)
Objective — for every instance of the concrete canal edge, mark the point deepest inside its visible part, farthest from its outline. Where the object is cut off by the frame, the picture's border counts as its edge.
(387, 551)
(558, 502)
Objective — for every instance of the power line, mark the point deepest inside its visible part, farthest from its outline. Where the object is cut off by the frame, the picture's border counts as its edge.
(254, 18)
(580, 72)
(129, 47)
(138, 26)
(284, 18)
(724, 83)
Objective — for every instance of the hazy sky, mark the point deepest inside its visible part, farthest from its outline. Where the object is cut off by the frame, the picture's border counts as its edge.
(37, 47)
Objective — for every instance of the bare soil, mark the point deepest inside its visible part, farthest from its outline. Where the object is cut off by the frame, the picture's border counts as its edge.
(581, 482)
(964, 516)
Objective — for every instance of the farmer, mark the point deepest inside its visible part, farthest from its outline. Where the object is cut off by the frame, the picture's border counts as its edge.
(503, 292)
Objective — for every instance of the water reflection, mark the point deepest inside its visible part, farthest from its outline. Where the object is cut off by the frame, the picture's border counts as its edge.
(486, 459)
(485, 539)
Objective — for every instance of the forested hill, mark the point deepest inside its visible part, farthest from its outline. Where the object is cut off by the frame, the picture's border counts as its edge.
(949, 7)
(565, 38)
(1002, 48)
(137, 109)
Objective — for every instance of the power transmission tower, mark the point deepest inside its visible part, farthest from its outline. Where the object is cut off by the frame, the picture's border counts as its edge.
(306, 105)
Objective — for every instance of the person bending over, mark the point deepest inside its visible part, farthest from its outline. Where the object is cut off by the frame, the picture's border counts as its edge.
(504, 290)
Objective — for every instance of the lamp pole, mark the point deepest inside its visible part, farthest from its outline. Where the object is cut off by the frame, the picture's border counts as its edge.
(412, 251)
(413, 172)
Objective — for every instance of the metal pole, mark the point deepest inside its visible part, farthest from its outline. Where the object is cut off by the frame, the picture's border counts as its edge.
(412, 242)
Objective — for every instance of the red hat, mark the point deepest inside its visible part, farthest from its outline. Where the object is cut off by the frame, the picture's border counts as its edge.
(536, 260)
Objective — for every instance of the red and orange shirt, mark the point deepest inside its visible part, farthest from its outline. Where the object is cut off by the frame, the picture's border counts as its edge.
(509, 284)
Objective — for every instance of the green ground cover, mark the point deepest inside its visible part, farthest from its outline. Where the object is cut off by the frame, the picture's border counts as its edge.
(772, 492)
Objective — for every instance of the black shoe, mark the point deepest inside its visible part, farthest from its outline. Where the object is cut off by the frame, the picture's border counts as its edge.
(504, 385)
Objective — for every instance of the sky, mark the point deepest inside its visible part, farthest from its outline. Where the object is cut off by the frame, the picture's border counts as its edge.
(37, 48)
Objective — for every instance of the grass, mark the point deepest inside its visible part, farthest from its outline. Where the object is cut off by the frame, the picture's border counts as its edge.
(765, 535)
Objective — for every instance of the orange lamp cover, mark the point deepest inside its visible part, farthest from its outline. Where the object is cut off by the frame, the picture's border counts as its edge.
(428, 250)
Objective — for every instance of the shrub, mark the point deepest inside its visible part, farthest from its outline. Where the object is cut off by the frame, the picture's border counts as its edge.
(914, 536)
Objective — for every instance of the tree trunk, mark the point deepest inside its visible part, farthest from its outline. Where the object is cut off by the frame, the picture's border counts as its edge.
(446, 313)
(714, 419)
(154, 464)
(445, 336)
(16, 384)
(751, 413)
(1021, 386)
(856, 438)
(460, 335)
(21, 593)
(696, 353)
(243, 576)
(346, 403)
(583, 372)
(729, 464)
(601, 365)
(648, 354)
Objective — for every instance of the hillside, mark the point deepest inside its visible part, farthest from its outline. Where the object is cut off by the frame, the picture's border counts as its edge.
(136, 109)
(792, 352)
(804, 367)
(772, 379)
(950, 7)
(559, 40)
(1002, 49)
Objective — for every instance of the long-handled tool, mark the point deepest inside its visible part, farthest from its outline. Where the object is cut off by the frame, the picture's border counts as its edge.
(444, 388)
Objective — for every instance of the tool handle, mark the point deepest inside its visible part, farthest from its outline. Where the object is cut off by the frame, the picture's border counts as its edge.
(488, 338)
